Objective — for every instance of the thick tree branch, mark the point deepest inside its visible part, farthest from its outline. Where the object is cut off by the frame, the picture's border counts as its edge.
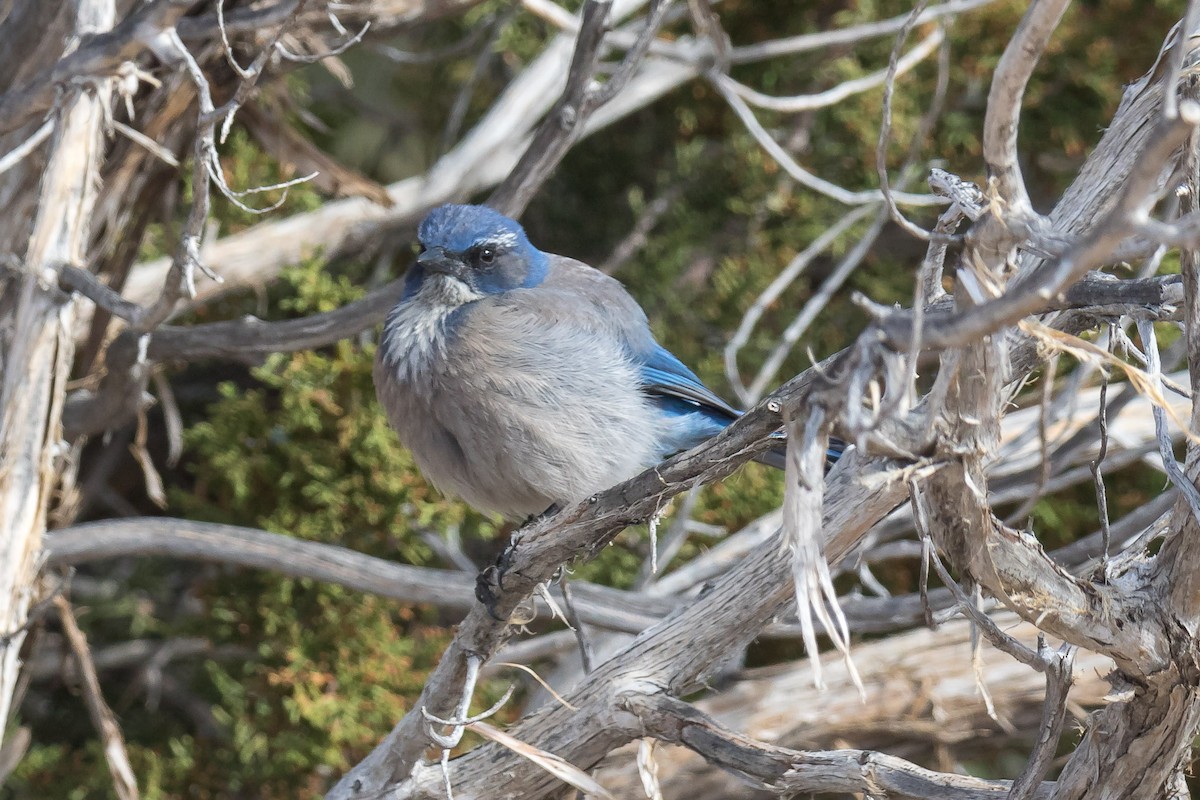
(36, 347)
(921, 701)
(788, 772)
(1012, 75)
(246, 547)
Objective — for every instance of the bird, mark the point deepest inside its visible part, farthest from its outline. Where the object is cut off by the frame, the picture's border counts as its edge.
(523, 381)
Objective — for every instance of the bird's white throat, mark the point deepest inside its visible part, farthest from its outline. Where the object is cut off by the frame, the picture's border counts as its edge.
(416, 328)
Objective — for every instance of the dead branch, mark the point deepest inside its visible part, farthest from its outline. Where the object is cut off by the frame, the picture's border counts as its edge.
(482, 159)
(581, 98)
(920, 696)
(674, 655)
(246, 547)
(1015, 265)
(834, 38)
(1004, 102)
(786, 772)
(36, 352)
(103, 719)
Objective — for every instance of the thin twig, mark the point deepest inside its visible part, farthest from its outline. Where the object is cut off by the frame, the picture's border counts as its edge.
(581, 98)
(1097, 464)
(775, 289)
(1001, 640)
(830, 97)
(103, 719)
(576, 624)
(815, 304)
(803, 176)
(1174, 471)
(1059, 664)
(18, 153)
(885, 126)
(839, 37)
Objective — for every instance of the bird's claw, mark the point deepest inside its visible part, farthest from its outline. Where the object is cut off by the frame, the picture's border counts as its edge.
(489, 584)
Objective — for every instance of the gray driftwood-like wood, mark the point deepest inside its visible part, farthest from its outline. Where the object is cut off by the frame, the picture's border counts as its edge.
(921, 697)
(36, 345)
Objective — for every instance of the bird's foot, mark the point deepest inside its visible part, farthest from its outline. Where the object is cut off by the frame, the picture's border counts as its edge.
(487, 590)
(489, 584)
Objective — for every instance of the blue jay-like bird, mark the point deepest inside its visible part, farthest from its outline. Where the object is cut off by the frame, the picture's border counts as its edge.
(522, 380)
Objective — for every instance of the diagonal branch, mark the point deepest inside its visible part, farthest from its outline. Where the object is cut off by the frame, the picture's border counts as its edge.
(789, 772)
(1003, 119)
(540, 549)
(103, 719)
(581, 98)
(675, 656)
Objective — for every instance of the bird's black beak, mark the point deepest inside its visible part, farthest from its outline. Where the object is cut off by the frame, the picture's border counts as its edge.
(436, 259)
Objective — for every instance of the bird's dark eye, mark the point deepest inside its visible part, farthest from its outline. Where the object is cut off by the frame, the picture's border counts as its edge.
(486, 255)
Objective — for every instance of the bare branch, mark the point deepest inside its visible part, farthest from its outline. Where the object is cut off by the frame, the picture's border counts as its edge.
(581, 98)
(74, 279)
(36, 348)
(1032, 293)
(537, 550)
(103, 719)
(803, 176)
(246, 547)
(835, 38)
(815, 304)
(921, 699)
(1004, 100)
(789, 772)
(482, 159)
(895, 68)
(770, 295)
(14, 156)
(1058, 683)
(809, 102)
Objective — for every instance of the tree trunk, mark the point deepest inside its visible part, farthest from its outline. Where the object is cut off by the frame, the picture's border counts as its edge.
(37, 347)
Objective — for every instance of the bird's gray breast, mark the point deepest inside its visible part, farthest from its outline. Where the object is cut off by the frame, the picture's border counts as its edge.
(512, 407)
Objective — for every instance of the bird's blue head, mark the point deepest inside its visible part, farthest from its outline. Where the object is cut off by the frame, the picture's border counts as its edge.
(479, 247)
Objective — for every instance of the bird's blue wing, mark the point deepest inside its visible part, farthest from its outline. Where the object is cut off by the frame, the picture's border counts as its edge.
(677, 389)
(666, 379)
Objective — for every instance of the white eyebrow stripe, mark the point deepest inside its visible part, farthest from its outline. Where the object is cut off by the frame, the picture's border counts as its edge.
(506, 239)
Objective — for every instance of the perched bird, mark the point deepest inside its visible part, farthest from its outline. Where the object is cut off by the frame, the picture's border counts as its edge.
(521, 380)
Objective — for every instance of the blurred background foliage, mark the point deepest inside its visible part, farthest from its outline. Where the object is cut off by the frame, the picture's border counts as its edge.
(299, 680)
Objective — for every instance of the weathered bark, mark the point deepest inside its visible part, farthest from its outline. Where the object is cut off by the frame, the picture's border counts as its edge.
(923, 704)
(35, 355)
